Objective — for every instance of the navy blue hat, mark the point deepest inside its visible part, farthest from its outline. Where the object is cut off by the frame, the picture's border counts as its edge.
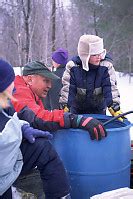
(60, 56)
(7, 75)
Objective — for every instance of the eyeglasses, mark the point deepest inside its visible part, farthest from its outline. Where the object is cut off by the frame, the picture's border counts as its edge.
(97, 55)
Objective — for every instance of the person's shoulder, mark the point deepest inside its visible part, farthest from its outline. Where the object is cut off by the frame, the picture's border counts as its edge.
(69, 65)
(77, 61)
(20, 83)
(107, 61)
(74, 62)
(18, 79)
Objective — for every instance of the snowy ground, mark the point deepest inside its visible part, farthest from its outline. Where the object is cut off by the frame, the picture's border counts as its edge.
(126, 93)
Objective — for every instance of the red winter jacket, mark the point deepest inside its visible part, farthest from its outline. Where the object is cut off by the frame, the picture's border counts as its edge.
(26, 97)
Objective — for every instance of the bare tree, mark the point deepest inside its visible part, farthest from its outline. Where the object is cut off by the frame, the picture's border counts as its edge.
(32, 29)
(53, 18)
(26, 8)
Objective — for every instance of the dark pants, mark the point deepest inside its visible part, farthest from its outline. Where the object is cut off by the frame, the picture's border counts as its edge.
(43, 155)
(7, 194)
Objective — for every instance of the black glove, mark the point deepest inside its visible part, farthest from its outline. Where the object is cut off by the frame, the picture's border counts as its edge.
(30, 133)
(114, 109)
(92, 125)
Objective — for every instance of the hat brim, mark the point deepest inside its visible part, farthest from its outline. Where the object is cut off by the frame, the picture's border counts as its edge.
(48, 74)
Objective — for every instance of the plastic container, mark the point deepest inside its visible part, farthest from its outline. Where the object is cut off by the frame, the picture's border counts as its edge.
(96, 166)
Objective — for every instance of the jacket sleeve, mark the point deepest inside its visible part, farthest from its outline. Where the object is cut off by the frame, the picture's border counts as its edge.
(26, 99)
(110, 89)
(66, 83)
(36, 122)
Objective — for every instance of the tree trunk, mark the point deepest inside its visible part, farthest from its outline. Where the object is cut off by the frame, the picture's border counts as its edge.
(53, 24)
(26, 12)
(130, 62)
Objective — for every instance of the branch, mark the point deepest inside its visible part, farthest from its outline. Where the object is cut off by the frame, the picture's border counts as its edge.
(14, 41)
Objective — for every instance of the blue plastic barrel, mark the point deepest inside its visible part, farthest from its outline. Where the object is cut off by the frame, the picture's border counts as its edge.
(96, 166)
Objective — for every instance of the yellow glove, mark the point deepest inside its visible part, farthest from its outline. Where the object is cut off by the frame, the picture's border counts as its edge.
(115, 111)
(64, 107)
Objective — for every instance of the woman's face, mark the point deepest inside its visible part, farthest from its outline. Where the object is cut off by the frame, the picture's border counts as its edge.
(6, 95)
(10, 88)
(95, 59)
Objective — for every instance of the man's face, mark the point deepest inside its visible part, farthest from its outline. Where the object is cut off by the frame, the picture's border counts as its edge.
(40, 85)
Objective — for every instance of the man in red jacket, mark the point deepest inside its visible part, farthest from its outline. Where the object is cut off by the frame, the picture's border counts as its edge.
(33, 85)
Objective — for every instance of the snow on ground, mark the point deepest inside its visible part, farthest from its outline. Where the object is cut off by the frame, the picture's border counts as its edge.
(126, 93)
(17, 70)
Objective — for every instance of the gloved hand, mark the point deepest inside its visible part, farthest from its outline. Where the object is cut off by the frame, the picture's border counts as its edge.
(114, 109)
(30, 133)
(64, 107)
(92, 125)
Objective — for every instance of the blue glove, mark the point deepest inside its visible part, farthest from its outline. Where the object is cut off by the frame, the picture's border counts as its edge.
(30, 133)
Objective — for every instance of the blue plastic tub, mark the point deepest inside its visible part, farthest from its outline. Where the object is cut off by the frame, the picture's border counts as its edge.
(96, 166)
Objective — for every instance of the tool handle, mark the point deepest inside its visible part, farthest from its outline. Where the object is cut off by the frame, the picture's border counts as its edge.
(116, 117)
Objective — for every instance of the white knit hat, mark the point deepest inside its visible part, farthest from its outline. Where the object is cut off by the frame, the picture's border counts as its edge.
(90, 45)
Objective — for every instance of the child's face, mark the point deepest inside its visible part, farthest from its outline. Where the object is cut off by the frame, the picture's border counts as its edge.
(6, 95)
(55, 65)
(95, 59)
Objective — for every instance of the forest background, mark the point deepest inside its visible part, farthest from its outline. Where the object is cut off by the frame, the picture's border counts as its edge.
(33, 29)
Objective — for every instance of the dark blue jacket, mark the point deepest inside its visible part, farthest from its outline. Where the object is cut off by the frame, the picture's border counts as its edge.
(89, 91)
(51, 102)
